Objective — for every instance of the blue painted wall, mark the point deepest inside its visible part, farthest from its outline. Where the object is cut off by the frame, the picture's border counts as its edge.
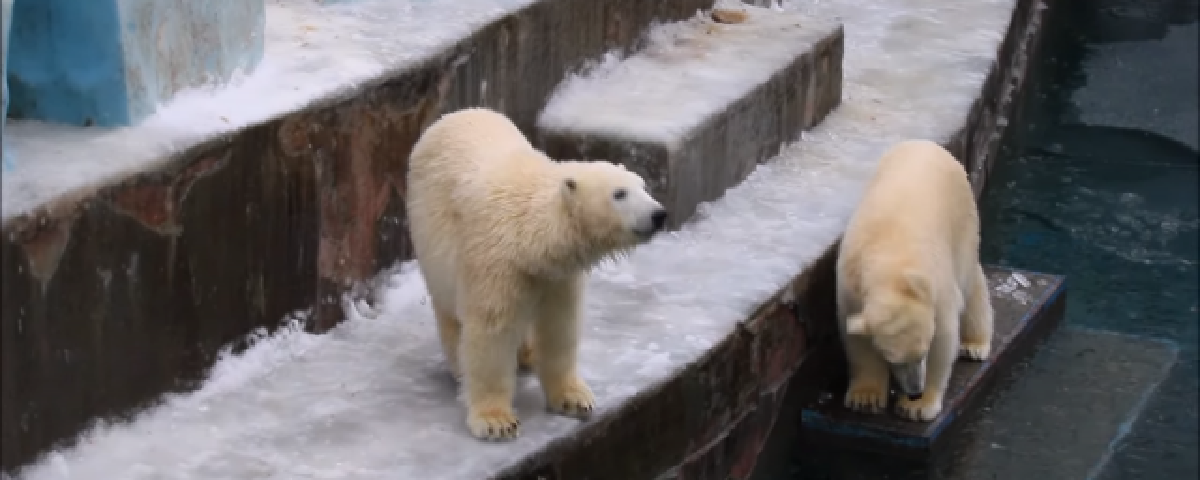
(111, 62)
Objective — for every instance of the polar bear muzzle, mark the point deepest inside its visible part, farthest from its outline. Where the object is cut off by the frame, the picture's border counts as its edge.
(910, 377)
(658, 220)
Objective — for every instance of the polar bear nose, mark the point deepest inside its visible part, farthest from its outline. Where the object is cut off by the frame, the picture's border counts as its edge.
(658, 218)
(912, 397)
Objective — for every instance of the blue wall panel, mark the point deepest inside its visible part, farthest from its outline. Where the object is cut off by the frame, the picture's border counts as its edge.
(111, 62)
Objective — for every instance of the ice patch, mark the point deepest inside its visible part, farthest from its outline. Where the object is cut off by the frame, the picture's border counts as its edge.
(372, 399)
(313, 53)
(1015, 285)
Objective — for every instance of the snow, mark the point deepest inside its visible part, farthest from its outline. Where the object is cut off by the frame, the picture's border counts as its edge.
(371, 399)
(683, 76)
(313, 54)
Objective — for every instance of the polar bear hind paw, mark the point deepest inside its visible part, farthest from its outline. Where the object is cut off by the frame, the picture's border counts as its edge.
(494, 424)
(574, 400)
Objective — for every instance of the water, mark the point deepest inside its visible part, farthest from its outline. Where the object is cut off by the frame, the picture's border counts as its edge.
(1100, 182)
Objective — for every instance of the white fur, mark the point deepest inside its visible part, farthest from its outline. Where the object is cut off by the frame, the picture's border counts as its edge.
(504, 237)
(908, 277)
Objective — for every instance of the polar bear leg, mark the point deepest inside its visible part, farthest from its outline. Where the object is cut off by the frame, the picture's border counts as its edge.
(977, 319)
(492, 332)
(556, 337)
(449, 332)
(526, 357)
(869, 376)
(938, 366)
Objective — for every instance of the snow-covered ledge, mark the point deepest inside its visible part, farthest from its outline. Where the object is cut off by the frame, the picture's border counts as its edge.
(672, 331)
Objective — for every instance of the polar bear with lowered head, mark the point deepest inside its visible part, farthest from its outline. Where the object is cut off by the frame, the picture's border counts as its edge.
(504, 237)
(911, 293)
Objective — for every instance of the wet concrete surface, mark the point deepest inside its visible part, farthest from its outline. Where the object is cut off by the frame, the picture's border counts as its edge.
(1098, 182)
(1060, 412)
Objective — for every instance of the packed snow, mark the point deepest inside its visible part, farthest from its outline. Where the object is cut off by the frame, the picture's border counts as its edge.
(313, 53)
(372, 400)
(682, 77)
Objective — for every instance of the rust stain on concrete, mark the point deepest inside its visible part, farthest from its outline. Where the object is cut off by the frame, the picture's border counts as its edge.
(43, 239)
(374, 157)
(154, 202)
(293, 135)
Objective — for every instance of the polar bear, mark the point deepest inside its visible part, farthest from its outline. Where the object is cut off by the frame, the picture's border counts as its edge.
(504, 236)
(910, 289)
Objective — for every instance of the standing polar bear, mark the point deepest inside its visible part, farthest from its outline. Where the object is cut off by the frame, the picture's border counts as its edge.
(504, 237)
(910, 289)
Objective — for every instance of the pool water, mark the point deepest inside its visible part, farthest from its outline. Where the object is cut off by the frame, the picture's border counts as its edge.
(1100, 184)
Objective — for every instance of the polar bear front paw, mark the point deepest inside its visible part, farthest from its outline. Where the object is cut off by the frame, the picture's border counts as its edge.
(977, 351)
(574, 399)
(867, 397)
(494, 423)
(924, 409)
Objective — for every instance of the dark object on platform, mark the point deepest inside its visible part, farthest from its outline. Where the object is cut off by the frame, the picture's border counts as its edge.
(1024, 317)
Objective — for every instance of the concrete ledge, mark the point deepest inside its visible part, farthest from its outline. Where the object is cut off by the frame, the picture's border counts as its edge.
(1029, 306)
(710, 419)
(703, 104)
(124, 278)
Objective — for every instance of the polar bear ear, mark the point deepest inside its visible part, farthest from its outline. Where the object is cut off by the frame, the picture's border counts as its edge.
(917, 285)
(856, 324)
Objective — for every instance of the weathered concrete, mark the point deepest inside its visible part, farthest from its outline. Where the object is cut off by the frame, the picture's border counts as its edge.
(1028, 307)
(1060, 414)
(977, 145)
(111, 62)
(693, 136)
(113, 296)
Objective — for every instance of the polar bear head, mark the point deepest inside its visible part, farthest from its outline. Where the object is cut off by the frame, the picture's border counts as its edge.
(610, 205)
(898, 317)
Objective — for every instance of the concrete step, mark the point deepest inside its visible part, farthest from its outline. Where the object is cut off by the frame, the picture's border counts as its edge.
(699, 107)
(1029, 306)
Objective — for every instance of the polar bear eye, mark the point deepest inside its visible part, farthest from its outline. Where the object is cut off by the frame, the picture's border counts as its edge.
(619, 194)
